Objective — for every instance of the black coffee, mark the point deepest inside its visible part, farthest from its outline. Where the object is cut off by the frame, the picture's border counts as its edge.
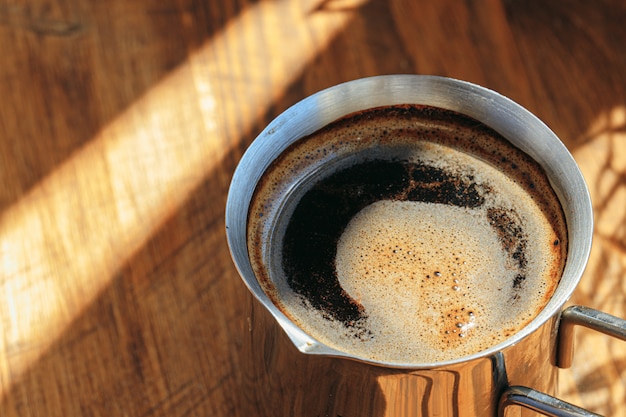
(408, 234)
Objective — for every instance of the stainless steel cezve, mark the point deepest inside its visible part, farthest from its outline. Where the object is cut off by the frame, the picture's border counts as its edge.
(519, 372)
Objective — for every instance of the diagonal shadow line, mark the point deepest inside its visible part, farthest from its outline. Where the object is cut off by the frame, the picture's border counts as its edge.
(77, 201)
(76, 69)
(198, 216)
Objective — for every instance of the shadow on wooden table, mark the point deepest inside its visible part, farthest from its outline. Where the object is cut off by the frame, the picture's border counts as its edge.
(71, 70)
(163, 337)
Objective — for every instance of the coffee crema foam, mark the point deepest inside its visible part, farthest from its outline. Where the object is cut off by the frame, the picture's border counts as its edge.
(426, 237)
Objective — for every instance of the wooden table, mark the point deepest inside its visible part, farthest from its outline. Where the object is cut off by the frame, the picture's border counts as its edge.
(121, 123)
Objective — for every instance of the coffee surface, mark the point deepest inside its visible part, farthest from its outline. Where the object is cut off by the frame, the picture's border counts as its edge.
(407, 234)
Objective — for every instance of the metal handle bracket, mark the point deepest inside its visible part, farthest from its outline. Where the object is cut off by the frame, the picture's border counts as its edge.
(540, 402)
(586, 317)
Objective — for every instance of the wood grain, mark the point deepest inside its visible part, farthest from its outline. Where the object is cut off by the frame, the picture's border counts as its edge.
(122, 122)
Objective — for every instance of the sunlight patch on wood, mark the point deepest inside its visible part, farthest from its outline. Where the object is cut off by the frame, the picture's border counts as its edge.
(62, 243)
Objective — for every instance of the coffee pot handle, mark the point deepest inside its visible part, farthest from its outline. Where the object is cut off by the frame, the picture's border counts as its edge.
(546, 404)
(586, 317)
(540, 402)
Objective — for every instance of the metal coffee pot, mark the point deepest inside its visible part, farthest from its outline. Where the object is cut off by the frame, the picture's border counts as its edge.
(516, 377)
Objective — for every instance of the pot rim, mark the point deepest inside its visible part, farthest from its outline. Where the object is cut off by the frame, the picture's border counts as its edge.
(502, 114)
